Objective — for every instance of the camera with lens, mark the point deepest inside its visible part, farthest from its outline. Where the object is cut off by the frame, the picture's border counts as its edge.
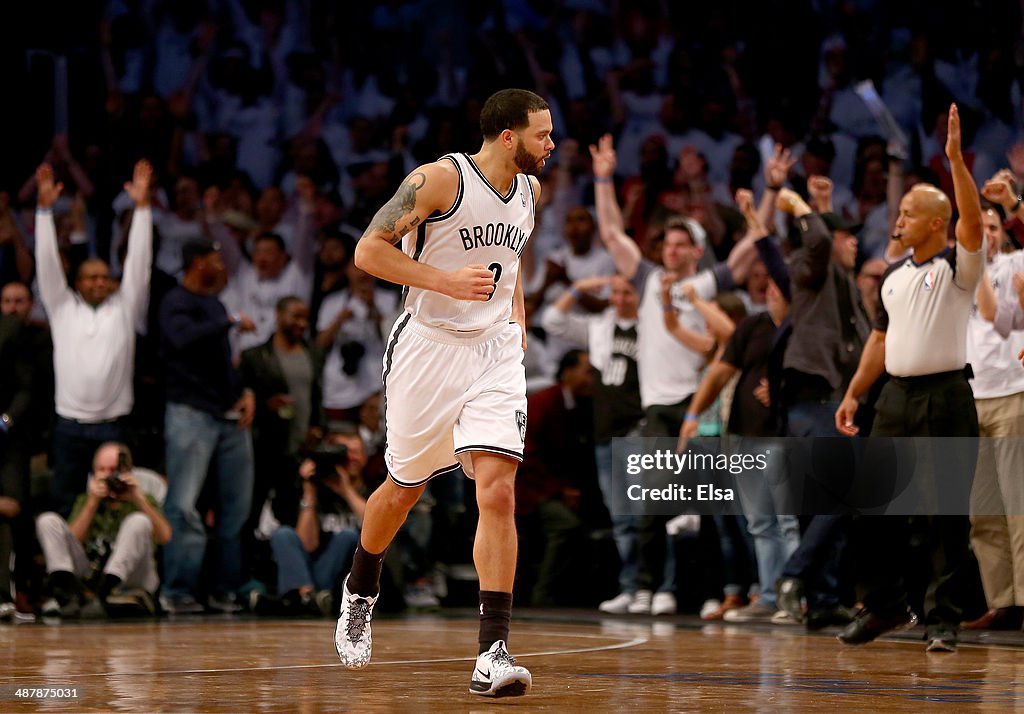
(115, 484)
(327, 457)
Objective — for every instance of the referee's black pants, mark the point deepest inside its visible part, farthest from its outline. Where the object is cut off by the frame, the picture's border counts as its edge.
(938, 405)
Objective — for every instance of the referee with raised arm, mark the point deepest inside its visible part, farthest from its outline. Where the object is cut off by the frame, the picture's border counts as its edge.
(920, 339)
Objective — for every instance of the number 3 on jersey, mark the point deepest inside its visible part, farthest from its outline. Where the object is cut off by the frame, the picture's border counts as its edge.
(496, 269)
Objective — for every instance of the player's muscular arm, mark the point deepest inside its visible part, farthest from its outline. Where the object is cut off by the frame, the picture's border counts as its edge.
(398, 216)
(430, 188)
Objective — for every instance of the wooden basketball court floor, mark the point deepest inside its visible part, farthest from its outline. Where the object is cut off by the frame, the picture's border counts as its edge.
(422, 663)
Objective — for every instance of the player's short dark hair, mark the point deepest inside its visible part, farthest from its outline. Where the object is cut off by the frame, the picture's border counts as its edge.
(508, 109)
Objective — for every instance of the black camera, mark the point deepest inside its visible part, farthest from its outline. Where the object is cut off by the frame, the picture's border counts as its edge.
(327, 457)
(115, 484)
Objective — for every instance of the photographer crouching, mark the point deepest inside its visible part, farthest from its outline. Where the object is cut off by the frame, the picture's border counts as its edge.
(312, 556)
(102, 560)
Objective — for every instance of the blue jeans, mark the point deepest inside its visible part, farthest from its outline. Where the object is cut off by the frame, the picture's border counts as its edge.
(297, 568)
(818, 559)
(198, 443)
(817, 418)
(624, 527)
(738, 555)
(74, 445)
(776, 537)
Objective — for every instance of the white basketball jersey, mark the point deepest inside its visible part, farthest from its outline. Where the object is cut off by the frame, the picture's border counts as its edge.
(482, 227)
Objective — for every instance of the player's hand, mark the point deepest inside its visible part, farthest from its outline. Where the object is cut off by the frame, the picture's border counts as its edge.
(1020, 356)
(844, 417)
(48, 191)
(471, 282)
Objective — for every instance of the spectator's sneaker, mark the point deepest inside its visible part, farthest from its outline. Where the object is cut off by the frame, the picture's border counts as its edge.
(867, 626)
(641, 604)
(710, 606)
(181, 605)
(130, 602)
(266, 605)
(754, 612)
(352, 637)
(731, 602)
(93, 609)
(497, 674)
(421, 596)
(781, 617)
(7, 611)
(50, 608)
(324, 602)
(790, 597)
(618, 605)
(663, 604)
(225, 603)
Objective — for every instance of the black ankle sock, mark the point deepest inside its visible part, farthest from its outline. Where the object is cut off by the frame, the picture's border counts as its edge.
(64, 586)
(365, 576)
(107, 585)
(495, 617)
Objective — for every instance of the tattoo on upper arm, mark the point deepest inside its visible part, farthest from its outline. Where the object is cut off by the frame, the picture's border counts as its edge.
(389, 217)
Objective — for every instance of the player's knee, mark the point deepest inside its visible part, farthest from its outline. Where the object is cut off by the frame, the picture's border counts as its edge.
(398, 499)
(496, 497)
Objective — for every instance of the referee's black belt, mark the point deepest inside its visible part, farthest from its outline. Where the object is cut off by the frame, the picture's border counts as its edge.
(927, 380)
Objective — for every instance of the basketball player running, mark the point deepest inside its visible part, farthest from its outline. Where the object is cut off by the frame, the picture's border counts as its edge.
(454, 383)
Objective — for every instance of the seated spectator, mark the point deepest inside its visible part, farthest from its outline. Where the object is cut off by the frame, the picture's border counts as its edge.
(313, 554)
(558, 465)
(107, 546)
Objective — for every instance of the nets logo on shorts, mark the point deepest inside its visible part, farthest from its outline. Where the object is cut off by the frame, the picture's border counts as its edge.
(521, 422)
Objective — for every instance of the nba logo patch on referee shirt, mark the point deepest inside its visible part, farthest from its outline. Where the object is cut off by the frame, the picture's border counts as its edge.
(521, 422)
(929, 280)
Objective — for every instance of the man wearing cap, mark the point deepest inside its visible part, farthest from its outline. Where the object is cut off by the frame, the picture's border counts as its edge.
(207, 425)
(93, 328)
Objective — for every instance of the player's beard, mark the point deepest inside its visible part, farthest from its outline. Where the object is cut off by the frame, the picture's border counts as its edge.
(526, 162)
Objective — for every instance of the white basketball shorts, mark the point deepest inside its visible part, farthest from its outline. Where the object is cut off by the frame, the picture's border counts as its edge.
(447, 395)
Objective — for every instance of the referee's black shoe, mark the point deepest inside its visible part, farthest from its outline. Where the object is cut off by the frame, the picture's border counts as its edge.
(867, 626)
